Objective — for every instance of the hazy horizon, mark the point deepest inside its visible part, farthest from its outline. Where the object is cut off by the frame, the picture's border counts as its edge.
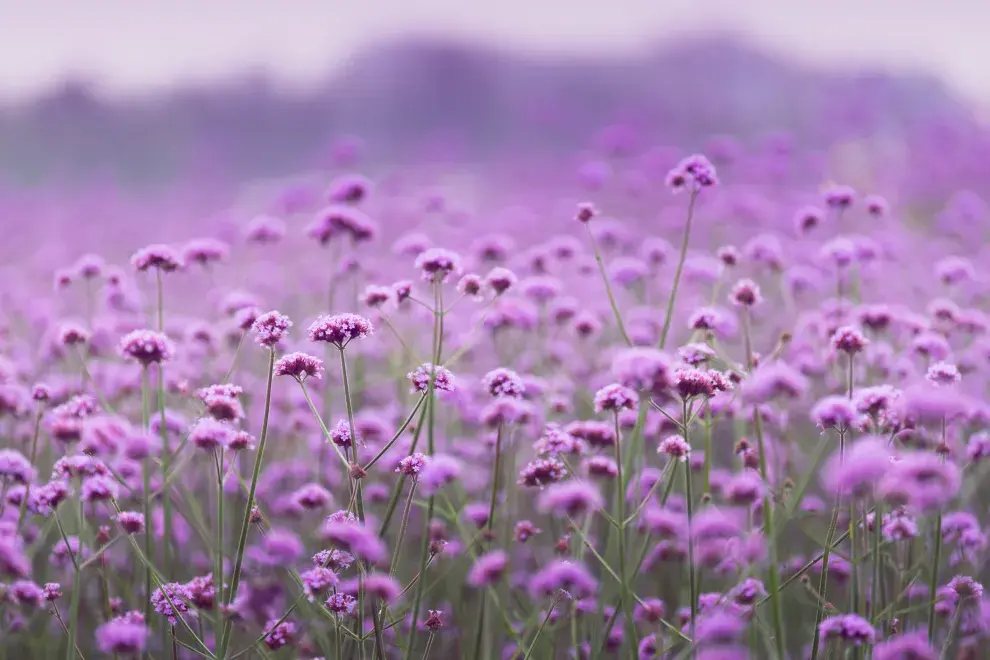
(127, 49)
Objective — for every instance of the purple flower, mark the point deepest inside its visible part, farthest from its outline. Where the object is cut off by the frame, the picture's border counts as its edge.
(318, 581)
(280, 634)
(377, 586)
(15, 467)
(356, 539)
(556, 441)
(834, 412)
(299, 366)
(614, 398)
(692, 173)
(210, 434)
(205, 251)
(943, 373)
(921, 480)
(171, 600)
(500, 280)
(341, 604)
(675, 447)
(745, 293)
(270, 328)
(561, 574)
(160, 257)
(911, 645)
(52, 591)
(488, 569)
(772, 381)
(412, 465)
(437, 263)
(643, 369)
(541, 472)
(26, 592)
(839, 197)
(312, 496)
(125, 635)
(850, 628)
(420, 378)
(340, 434)
(571, 498)
(265, 230)
(132, 522)
(99, 489)
(434, 621)
(866, 462)
(439, 471)
(340, 329)
(849, 340)
(503, 382)
(147, 347)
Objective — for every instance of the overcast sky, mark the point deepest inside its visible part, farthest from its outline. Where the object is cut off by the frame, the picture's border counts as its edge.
(134, 45)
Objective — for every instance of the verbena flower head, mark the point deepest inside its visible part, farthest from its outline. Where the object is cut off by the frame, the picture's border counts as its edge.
(265, 230)
(675, 447)
(614, 398)
(849, 628)
(412, 465)
(132, 522)
(299, 366)
(210, 434)
(420, 378)
(745, 293)
(921, 480)
(912, 645)
(943, 374)
(563, 575)
(159, 257)
(171, 601)
(858, 472)
(643, 369)
(127, 634)
(270, 328)
(15, 467)
(340, 329)
(147, 347)
(849, 340)
(839, 197)
(500, 280)
(503, 382)
(692, 173)
(280, 634)
(436, 264)
(571, 498)
(205, 251)
(488, 569)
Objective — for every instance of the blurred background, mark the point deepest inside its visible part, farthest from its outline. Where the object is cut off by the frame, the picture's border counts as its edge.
(136, 94)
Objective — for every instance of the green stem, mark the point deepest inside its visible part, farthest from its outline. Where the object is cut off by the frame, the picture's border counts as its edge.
(430, 448)
(689, 494)
(246, 521)
(933, 583)
(608, 288)
(146, 488)
(34, 456)
(768, 512)
(496, 478)
(543, 625)
(403, 523)
(620, 510)
(218, 575)
(680, 270)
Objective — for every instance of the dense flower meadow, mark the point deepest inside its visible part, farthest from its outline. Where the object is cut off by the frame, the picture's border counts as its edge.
(666, 407)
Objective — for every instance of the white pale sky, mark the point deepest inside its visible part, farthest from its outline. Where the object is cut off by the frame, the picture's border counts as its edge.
(130, 46)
